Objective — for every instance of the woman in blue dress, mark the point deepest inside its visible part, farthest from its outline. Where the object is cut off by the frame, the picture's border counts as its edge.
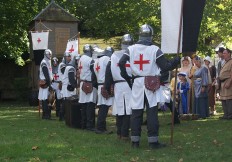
(201, 106)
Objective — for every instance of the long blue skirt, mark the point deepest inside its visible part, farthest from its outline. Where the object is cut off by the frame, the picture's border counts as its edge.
(201, 107)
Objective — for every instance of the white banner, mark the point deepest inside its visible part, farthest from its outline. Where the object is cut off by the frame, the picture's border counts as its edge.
(40, 40)
(170, 22)
(72, 47)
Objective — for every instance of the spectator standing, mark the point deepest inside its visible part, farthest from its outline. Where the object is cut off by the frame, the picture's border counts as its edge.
(225, 78)
(200, 89)
(211, 85)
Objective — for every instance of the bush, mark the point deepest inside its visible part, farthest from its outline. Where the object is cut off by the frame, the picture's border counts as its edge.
(21, 88)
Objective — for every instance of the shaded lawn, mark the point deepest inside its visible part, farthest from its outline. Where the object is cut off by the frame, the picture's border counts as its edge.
(25, 137)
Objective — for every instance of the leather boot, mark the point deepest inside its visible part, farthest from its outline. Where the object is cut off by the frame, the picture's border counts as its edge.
(156, 145)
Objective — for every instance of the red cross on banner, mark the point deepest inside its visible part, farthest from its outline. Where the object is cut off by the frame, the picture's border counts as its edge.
(56, 77)
(80, 67)
(38, 40)
(126, 65)
(97, 68)
(141, 62)
(71, 49)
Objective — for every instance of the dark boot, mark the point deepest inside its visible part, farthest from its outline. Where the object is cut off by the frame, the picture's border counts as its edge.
(45, 110)
(156, 145)
(57, 107)
(62, 111)
(50, 111)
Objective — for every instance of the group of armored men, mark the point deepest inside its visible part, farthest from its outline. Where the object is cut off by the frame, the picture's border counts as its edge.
(128, 80)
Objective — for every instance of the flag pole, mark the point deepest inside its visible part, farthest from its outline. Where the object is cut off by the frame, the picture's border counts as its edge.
(78, 37)
(178, 53)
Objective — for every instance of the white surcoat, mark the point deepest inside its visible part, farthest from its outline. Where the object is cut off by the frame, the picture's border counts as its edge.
(100, 69)
(143, 63)
(85, 75)
(43, 92)
(64, 91)
(122, 91)
(55, 83)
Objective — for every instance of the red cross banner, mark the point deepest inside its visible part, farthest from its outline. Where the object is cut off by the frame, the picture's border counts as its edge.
(72, 47)
(188, 22)
(39, 40)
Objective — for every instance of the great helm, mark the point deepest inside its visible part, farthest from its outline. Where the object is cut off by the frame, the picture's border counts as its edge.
(127, 39)
(48, 54)
(146, 32)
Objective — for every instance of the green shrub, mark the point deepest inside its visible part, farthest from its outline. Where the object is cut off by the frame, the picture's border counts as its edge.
(21, 88)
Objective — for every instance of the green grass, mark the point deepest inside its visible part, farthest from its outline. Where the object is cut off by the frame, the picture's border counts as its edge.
(21, 129)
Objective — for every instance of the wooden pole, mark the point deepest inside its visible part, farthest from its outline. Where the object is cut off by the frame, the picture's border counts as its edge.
(78, 38)
(39, 108)
(178, 53)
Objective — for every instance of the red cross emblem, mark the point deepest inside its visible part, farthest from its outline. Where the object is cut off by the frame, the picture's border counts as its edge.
(141, 62)
(71, 49)
(126, 65)
(56, 77)
(38, 40)
(97, 68)
(80, 67)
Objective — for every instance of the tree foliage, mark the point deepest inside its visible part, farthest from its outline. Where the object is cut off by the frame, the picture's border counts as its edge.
(107, 18)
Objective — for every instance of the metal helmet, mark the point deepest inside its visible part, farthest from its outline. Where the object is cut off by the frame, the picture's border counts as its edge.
(67, 54)
(67, 57)
(62, 67)
(127, 39)
(55, 61)
(145, 32)
(95, 46)
(87, 48)
(109, 51)
(48, 54)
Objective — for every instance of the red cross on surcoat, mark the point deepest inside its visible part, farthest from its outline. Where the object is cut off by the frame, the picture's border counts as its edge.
(141, 62)
(126, 65)
(38, 40)
(71, 49)
(56, 77)
(97, 68)
(80, 67)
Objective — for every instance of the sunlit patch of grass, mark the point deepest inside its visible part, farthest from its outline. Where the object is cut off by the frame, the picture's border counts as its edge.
(26, 137)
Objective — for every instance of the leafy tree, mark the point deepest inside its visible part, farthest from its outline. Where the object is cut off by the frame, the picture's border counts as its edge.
(216, 26)
(108, 18)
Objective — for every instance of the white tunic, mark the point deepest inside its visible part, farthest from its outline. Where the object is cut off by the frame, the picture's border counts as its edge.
(122, 91)
(85, 74)
(65, 92)
(143, 63)
(166, 93)
(60, 79)
(100, 69)
(43, 92)
(55, 83)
